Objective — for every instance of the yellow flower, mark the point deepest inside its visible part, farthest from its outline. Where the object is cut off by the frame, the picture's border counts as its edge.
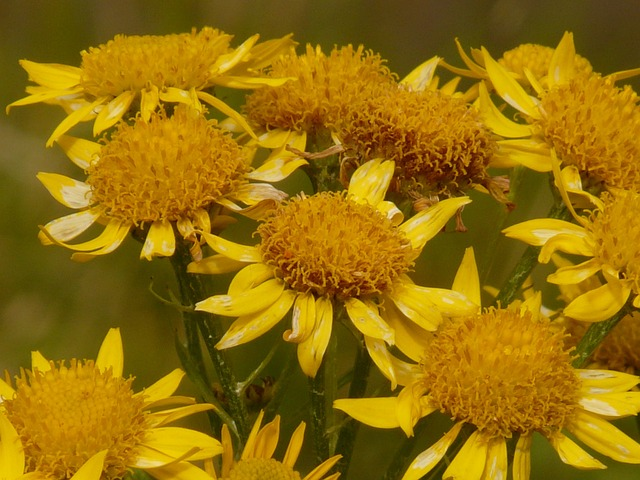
(84, 421)
(256, 461)
(506, 373)
(589, 121)
(331, 249)
(151, 177)
(598, 236)
(151, 70)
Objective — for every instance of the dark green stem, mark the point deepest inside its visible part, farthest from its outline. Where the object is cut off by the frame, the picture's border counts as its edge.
(357, 389)
(319, 414)
(202, 325)
(594, 335)
(526, 264)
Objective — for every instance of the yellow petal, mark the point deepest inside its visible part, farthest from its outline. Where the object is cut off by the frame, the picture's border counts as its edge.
(276, 169)
(113, 111)
(416, 308)
(538, 231)
(79, 115)
(6, 391)
(574, 274)
(252, 193)
(110, 239)
(245, 303)
(421, 76)
(303, 318)
(572, 454)
(410, 407)
(496, 121)
(241, 253)
(52, 75)
(215, 264)
(80, 151)
(179, 471)
(561, 66)
(410, 338)
(425, 225)
(160, 241)
(604, 438)
(69, 192)
(467, 281)
(250, 277)
(377, 412)
(279, 138)
(252, 325)
(470, 461)
(111, 354)
(166, 416)
(226, 62)
(381, 356)
(311, 351)
(227, 110)
(319, 472)
(249, 448)
(522, 458)
(429, 458)
(598, 304)
(267, 439)
(369, 183)
(92, 468)
(68, 227)
(295, 446)
(572, 244)
(447, 302)
(11, 450)
(606, 381)
(162, 388)
(366, 318)
(527, 152)
(177, 441)
(509, 89)
(497, 466)
(149, 101)
(39, 362)
(613, 405)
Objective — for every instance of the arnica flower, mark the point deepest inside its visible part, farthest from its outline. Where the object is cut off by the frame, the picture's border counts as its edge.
(503, 374)
(146, 71)
(256, 461)
(609, 236)
(436, 139)
(157, 177)
(83, 421)
(523, 62)
(312, 104)
(319, 252)
(589, 121)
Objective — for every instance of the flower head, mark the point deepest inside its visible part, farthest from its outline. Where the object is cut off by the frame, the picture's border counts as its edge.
(597, 236)
(256, 461)
(330, 249)
(82, 419)
(506, 373)
(147, 71)
(153, 176)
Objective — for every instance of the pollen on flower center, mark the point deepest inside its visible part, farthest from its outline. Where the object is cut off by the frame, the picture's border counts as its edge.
(596, 126)
(67, 414)
(620, 220)
(330, 245)
(437, 141)
(132, 63)
(503, 372)
(166, 168)
(325, 86)
(261, 469)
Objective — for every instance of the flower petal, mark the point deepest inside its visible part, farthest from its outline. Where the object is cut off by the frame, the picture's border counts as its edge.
(179, 471)
(111, 237)
(177, 441)
(496, 121)
(113, 111)
(11, 451)
(572, 454)
(149, 101)
(162, 388)
(249, 447)
(160, 241)
(420, 77)
(522, 458)
(252, 325)
(604, 438)
(426, 224)
(92, 468)
(303, 318)
(80, 151)
(68, 227)
(573, 274)
(79, 115)
(381, 356)
(111, 354)
(537, 232)
(410, 339)
(598, 304)
(69, 192)
(429, 458)
(606, 381)
(250, 277)
(497, 465)
(295, 446)
(467, 281)
(365, 317)
(227, 110)
(163, 417)
(39, 362)
(614, 405)
(245, 303)
(416, 307)
(319, 472)
(377, 412)
(561, 66)
(241, 253)
(470, 461)
(311, 351)
(370, 181)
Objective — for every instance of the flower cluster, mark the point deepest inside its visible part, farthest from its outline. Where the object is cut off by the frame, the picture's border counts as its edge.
(392, 163)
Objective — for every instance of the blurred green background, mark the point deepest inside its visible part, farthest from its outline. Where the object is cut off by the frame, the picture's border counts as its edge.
(62, 308)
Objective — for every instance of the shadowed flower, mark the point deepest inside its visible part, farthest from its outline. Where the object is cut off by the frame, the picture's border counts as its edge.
(598, 236)
(320, 252)
(506, 373)
(158, 178)
(588, 120)
(256, 461)
(147, 71)
(83, 421)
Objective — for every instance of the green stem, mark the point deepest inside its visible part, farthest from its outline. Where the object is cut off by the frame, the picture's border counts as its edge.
(201, 325)
(319, 414)
(594, 335)
(526, 264)
(357, 389)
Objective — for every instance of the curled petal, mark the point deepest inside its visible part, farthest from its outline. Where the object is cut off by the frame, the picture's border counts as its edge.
(311, 351)
(67, 228)
(428, 459)
(598, 304)
(244, 303)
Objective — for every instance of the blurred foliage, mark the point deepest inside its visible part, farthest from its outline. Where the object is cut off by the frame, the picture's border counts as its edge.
(63, 309)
